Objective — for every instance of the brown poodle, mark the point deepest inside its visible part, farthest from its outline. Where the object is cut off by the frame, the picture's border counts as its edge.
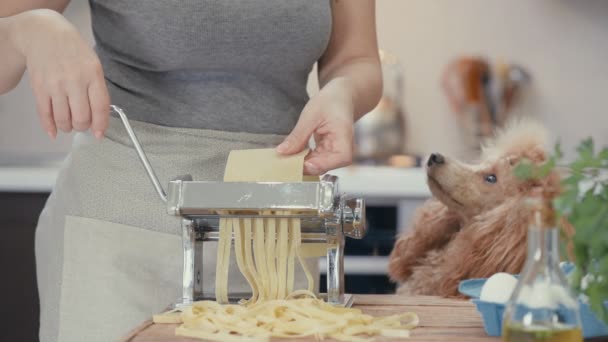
(476, 224)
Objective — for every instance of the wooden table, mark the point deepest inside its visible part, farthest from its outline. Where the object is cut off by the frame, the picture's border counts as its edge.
(440, 320)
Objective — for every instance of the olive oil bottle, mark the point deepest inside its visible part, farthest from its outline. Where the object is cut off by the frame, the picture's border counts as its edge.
(542, 308)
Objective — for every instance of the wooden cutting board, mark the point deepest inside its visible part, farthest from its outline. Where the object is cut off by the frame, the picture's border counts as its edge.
(440, 320)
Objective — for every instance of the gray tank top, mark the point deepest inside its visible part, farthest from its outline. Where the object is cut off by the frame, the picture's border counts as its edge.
(230, 65)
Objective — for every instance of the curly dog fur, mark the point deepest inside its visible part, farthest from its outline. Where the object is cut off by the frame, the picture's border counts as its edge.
(476, 224)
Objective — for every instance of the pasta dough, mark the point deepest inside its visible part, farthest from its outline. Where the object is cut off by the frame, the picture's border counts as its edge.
(276, 241)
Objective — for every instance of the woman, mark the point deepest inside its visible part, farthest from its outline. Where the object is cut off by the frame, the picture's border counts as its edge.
(198, 79)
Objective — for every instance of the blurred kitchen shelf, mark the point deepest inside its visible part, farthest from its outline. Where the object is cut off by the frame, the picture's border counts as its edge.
(366, 265)
(383, 181)
(31, 160)
(28, 179)
(29, 172)
(366, 181)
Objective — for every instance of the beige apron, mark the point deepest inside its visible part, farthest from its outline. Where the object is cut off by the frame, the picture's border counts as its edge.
(108, 256)
(132, 271)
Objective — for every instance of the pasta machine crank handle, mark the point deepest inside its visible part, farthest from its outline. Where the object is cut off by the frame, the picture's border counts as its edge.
(142, 155)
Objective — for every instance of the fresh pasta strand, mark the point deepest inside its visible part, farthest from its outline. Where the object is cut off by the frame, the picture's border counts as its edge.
(249, 258)
(271, 241)
(259, 253)
(222, 265)
(294, 242)
(283, 255)
(296, 227)
(239, 253)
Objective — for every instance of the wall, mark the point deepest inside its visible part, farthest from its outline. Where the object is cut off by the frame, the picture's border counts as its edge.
(563, 43)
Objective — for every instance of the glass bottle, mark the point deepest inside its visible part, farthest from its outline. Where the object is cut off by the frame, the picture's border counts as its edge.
(542, 307)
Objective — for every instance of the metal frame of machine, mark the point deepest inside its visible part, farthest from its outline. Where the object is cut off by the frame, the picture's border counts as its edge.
(327, 217)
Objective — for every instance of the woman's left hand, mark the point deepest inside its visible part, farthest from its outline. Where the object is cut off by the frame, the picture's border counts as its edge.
(329, 115)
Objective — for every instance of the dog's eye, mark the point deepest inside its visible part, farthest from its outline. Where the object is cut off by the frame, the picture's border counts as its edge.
(491, 179)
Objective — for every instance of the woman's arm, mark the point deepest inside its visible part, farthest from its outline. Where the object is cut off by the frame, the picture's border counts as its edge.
(352, 54)
(351, 85)
(13, 62)
(12, 7)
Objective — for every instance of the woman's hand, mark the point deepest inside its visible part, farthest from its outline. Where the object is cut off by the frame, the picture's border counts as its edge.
(329, 116)
(65, 73)
(351, 84)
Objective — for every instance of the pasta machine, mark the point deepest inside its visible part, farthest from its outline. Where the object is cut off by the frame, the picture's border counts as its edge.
(327, 216)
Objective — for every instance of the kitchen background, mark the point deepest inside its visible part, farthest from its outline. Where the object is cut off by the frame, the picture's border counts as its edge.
(562, 45)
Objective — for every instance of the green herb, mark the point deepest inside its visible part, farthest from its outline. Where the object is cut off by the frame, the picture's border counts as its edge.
(583, 202)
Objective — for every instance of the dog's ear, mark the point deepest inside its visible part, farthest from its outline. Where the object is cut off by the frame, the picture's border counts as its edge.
(433, 226)
(513, 160)
(493, 242)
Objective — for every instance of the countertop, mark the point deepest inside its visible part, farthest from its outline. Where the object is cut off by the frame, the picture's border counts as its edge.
(367, 181)
(28, 178)
(440, 320)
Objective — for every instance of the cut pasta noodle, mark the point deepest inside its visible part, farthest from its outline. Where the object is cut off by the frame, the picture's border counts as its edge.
(271, 257)
(221, 276)
(299, 252)
(282, 243)
(294, 243)
(265, 250)
(249, 259)
(239, 252)
(259, 250)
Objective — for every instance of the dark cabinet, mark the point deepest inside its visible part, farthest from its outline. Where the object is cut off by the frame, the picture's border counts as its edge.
(20, 308)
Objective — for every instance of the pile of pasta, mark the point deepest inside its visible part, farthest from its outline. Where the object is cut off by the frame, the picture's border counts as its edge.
(266, 249)
(301, 314)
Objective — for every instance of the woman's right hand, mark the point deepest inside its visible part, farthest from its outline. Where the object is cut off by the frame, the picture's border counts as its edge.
(65, 73)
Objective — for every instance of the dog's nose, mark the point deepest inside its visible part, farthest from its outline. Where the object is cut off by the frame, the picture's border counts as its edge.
(435, 159)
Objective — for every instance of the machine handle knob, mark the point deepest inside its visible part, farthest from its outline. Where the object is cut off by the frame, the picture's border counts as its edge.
(353, 218)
